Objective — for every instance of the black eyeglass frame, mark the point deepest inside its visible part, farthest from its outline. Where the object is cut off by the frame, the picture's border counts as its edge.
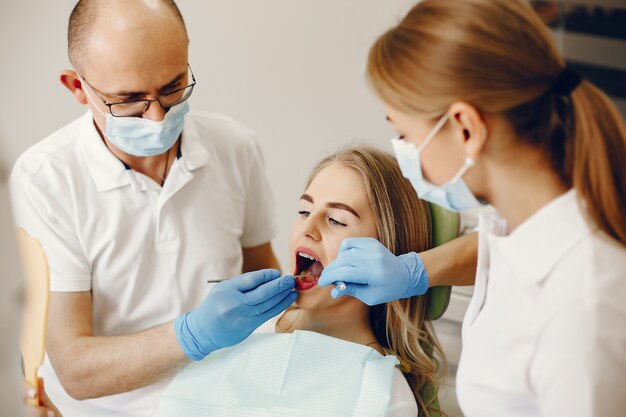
(147, 101)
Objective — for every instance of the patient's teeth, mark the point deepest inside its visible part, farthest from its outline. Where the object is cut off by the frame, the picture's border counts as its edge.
(306, 255)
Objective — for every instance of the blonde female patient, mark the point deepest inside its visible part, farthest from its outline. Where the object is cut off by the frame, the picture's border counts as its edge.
(332, 357)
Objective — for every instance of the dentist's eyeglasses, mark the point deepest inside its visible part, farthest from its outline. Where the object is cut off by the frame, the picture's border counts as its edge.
(135, 108)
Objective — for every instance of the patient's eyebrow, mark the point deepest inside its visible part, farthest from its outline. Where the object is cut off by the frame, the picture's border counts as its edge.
(342, 206)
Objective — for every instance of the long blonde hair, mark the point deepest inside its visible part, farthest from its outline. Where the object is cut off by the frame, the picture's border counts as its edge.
(499, 56)
(402, 225)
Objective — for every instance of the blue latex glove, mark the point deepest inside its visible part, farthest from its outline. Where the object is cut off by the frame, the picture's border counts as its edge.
(373, 274)
(233, 310)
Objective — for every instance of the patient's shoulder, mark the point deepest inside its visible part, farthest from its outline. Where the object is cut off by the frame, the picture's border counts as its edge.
(402, 402)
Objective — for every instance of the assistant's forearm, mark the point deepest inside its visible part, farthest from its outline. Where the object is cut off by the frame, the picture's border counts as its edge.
(453, 263)
(99, 366)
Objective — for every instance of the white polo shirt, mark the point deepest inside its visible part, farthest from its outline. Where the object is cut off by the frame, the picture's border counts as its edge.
(145, 252)
(545, 332)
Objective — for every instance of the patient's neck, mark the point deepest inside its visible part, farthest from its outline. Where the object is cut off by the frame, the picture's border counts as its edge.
(348, 321)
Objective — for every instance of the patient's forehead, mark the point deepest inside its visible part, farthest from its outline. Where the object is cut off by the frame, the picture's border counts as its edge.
(339, 184)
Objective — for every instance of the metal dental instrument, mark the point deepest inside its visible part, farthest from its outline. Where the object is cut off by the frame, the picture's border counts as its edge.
(215, 281)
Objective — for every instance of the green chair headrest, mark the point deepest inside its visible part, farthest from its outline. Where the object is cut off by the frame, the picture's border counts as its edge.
(445, 227)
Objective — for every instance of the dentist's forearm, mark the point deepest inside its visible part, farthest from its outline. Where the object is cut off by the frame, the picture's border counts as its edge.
(453, 263)
(93, 367)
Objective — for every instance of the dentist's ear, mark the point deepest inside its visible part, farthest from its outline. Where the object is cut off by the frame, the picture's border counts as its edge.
(71, 81)
(469, 128)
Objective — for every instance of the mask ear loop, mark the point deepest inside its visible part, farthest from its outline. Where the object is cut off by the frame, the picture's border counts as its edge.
(434, 132)
(469, 163)
(84, 85)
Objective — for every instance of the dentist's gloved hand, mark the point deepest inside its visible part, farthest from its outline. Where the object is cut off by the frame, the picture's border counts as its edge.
(233, 310)
(373, 274)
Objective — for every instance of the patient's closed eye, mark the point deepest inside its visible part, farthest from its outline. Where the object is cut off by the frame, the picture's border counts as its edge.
(336, 223)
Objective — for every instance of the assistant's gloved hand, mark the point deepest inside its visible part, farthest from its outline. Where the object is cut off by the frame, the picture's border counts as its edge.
(373, 274)
(233, 310)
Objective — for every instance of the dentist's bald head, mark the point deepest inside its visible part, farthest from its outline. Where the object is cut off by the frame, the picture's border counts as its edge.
(139, 23)
(125, 50)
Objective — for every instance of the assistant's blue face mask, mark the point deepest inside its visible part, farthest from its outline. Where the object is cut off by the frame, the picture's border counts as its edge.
(142, 137)
(453, 195)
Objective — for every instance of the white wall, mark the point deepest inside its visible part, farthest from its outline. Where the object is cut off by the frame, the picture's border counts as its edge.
(294, 72)
(291, 70)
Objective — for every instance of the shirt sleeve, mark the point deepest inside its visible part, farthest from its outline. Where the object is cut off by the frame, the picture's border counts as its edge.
(579, 367)
(38, 209)
(259, 226)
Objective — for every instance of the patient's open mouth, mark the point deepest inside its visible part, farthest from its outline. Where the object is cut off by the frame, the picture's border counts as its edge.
(308, 269)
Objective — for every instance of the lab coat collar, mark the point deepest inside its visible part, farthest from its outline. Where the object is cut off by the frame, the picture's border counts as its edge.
(110, 173)
(194, 154)
(107, 171)
(535, 247)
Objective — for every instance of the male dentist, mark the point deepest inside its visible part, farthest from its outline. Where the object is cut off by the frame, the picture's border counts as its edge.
(137, 204)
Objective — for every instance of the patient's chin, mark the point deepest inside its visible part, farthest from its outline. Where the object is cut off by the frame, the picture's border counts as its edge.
(315, 298)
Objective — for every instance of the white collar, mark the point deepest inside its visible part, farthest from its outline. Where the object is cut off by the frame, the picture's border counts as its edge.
(536, 246)
(194, 154)
(109, 173)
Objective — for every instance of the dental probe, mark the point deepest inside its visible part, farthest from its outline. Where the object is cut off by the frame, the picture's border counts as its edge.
(339, 285)
(213, 281)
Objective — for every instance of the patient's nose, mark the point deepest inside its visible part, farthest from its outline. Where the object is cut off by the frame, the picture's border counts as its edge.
(311, 229)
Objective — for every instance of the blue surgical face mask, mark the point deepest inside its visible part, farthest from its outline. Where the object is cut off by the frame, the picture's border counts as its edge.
(142, 137)
(453, 195)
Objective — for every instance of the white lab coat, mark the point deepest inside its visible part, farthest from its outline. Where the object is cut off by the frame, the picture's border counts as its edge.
(545, 332)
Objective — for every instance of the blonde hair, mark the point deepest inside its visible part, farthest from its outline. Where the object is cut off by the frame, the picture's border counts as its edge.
(499, 56)
(403, 225)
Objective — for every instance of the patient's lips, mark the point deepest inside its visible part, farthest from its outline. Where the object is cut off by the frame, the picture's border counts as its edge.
(308, 269)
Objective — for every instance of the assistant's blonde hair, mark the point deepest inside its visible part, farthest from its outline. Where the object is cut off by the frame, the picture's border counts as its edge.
(403, 226)
(499, 56)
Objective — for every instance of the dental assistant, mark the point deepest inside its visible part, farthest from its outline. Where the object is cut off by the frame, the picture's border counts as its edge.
(488, 112)
(137, 204)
